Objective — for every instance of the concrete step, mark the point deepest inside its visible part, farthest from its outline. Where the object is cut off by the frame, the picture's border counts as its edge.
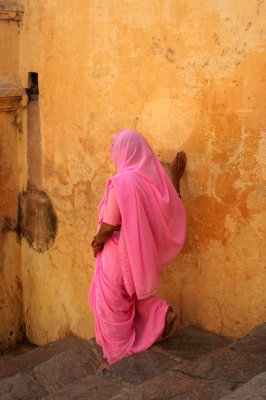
(27, 361)
(175, 385)
(192, 365)
(50, 370)
(253, 343)
(255, 389)
(16, 351)
(89, 388)
(237, 363)
(143, 366)
(191, 343)
(208, 366)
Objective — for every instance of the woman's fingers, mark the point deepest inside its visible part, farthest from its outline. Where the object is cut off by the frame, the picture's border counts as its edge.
(181, 159)
(178, 165)
(184, 158)
(96, 250)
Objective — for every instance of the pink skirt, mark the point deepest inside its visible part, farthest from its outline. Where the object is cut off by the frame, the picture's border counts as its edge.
(124, 325)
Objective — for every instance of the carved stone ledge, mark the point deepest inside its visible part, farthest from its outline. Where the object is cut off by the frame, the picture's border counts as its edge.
(9, 103)
(12, 12)
(11, 92)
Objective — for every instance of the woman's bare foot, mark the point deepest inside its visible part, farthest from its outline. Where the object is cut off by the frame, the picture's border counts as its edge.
(169, 321)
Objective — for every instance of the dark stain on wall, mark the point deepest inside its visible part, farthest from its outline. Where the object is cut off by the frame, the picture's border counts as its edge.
(14, 337)
(8, 224)
(37, 220)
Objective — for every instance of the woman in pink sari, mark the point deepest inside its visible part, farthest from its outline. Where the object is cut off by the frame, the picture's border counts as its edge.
(141, 227)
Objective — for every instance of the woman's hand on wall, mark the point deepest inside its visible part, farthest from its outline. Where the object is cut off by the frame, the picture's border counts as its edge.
(178, 168)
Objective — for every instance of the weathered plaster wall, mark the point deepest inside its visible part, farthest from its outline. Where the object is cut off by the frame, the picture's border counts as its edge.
(11, 304)
(11, 307)
(188, 75)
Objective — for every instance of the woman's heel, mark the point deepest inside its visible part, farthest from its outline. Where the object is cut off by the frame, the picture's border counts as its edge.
(170, 319)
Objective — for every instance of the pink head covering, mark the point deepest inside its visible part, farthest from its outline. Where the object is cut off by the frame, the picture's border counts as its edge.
(153, 216)
(131, 152)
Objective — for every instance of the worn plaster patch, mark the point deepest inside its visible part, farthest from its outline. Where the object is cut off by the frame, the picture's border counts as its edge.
(37, 219)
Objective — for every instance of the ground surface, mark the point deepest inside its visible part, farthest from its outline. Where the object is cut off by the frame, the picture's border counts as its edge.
(191, 365)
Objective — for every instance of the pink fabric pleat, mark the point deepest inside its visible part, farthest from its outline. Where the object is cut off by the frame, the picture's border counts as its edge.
(124, 325)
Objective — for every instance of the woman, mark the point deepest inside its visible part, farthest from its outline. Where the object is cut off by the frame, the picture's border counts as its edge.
(141, 228)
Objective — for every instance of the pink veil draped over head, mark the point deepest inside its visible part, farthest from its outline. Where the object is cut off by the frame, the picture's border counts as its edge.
(153, 216)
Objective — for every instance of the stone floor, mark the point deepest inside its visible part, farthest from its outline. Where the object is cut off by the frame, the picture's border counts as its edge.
(191, 365)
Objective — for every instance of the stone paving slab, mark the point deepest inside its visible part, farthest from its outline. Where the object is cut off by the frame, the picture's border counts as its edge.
(88, 388)
(255, 389)
(193, 365)
(191, 343)
(27, 361)
(97, 350)
(64, 368)
(18, 350)
(52, 375)
(254, 342)
(140, 367)
(225, 365)
(173, 385)
(21, 386)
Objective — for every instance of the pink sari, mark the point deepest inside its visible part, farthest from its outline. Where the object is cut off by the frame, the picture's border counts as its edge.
(128, 317)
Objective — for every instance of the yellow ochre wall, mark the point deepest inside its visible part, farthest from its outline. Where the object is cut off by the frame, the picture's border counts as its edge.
(11, 303)
(188, 75)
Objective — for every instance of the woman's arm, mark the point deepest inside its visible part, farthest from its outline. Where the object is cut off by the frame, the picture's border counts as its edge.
(105, 231)
(177, 169)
